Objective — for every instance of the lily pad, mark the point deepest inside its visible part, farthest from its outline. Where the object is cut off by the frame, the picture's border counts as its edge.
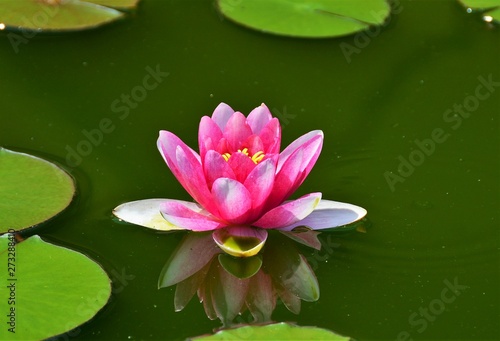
(490, 8)
(57, 15)
(118, 4)
(306, 19)
(32, 190)
(276, 331)
(51, 289)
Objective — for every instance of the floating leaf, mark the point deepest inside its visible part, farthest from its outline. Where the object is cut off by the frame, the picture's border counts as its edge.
(55, 15)
(306, 19)
(277, 331)
(145, 213)
(51, 289)
(490, 8)
(118, 4)
(32, 190)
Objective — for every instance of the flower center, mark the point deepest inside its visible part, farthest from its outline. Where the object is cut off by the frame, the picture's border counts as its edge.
(256, 158)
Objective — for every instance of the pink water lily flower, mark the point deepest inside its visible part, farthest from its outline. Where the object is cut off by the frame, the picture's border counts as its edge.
(241, 179)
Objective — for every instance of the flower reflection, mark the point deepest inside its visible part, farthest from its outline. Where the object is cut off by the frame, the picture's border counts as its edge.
(228, 286)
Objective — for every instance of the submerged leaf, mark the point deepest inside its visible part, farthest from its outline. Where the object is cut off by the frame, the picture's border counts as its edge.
(306, 19)
(32, 190)
(277, 331)
(53, 289)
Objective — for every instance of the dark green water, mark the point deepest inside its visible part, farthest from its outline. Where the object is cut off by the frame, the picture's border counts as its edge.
(434, 226)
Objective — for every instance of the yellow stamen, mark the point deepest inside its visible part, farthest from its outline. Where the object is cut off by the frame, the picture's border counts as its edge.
(256, 158)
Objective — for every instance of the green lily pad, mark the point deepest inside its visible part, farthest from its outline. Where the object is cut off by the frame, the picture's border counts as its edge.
(276, 331)
(306, 19)
(490, 8)
(118, 4)
(32, 190)
(55, 15)
(50, 289)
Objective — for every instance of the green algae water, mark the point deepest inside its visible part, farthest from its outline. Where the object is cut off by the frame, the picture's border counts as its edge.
(410, 116)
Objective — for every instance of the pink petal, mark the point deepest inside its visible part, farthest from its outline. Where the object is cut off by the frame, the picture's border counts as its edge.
(258, 118)
(285, 179)
(271, 137)
(314, 137)
(232, 199)
(237, 131)
(188, 215)
(216, 167)
(186, 166)
(289, 212)
(194, 179)
(222, 114)
(330, 214)
(241, 165)
(209, 133)
(260, 183)
(254, 144)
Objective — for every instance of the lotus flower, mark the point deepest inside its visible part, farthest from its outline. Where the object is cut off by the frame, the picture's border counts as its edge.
(240, 182)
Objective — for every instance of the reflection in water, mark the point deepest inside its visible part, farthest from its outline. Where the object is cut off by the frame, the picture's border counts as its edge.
(228, 286)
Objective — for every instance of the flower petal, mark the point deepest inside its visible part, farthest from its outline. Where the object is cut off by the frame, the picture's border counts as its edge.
(258, 118)
(240, 241)
(222, 114)
(194, 178)
(260, 182)
(188, 215)
(285, 179)
(314, 136)
(186, 166)
(232, 199)
(241, 165)
(329, 214)
(237, 131)
(289, 212)
(216, 167)
(271, 137)
(145, 213)
(209, 133)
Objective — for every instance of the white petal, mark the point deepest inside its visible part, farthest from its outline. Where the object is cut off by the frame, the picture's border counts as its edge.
(145, 213)
(329, 214)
